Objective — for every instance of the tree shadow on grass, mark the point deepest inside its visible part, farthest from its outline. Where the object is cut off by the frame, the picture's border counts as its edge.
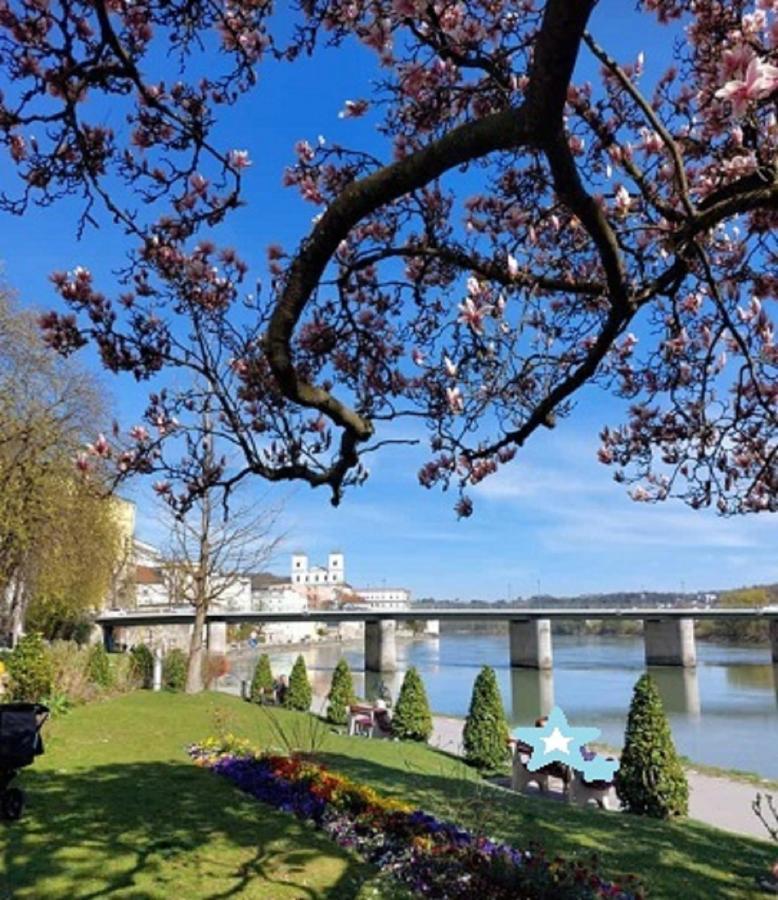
(145, 831)
(678, 859)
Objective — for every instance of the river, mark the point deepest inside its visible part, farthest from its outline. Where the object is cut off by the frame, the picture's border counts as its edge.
(724, 713)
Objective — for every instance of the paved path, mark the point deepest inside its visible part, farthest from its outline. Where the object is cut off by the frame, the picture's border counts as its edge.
(722, 802)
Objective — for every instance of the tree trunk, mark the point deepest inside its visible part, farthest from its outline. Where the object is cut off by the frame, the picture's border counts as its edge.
(197, 651)
(18, 609)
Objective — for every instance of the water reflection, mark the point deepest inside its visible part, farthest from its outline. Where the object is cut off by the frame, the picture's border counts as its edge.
(532, 695)
(593, 679)
(761, 677)
(679, 690)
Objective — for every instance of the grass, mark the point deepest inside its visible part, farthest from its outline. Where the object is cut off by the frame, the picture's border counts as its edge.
(116, 810)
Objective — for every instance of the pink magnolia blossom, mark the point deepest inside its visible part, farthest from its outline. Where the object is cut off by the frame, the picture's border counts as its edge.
(472, 314)
(760, 80)
(450, 367)
(239, 159)
(100, 447)
(353, 109)
(622, 201)
(735, 61)
(455, 400)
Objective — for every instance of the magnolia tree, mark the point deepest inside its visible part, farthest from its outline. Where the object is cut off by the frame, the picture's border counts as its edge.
(513, 232)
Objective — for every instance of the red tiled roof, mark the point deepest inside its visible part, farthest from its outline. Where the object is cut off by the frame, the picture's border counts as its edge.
(148, 575)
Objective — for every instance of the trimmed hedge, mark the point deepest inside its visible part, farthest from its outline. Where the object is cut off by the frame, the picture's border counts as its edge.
(485, 736)
(341, 694)
(299, 694)
(262, 680)
(412, 720)
(650, 780)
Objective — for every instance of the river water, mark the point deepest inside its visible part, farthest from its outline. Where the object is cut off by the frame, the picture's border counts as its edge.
(724, 713)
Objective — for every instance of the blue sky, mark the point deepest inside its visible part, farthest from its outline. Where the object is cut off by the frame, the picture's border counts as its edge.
(552, 522)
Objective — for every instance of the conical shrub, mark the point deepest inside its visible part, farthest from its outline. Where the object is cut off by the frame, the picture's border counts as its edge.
(98, 667)
(299, 694)
(650, 780)
(142, 666)
(485, 736)
(341, 694)
(412, 720)
(262, 682)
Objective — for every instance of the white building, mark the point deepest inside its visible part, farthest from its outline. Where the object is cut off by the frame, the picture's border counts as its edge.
(274, 596)
(303, 574)
(385, 598)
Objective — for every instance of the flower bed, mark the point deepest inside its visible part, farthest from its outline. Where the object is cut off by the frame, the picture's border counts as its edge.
(433, 858)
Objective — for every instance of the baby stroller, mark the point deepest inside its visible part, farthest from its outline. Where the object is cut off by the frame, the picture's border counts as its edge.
(20, 743)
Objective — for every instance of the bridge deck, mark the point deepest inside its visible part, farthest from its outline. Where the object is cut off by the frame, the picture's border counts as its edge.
(184, 616)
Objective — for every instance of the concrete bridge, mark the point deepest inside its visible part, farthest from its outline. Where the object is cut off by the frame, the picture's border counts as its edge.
(668, 634)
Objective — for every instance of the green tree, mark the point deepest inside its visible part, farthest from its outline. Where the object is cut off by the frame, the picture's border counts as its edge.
(174, 668)
(57, 544)
(142, 665)
(341, 694)
(412, 720)
(262, 682)
(30, 670)
(98, 667)
(650, 780)
(299, 694)
(485, 735)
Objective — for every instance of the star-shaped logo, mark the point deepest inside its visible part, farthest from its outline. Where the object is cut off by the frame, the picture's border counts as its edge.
(556, 741)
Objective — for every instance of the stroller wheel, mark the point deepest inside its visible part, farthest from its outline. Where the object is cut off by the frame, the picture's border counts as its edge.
(12, 804)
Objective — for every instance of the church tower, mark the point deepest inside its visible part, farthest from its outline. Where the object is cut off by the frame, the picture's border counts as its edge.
(336, 568)
(299, 568)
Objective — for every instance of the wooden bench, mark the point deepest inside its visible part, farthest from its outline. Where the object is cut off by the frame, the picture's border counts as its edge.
(603, 793)
(369, 721)
(360, 720)
(522, 776)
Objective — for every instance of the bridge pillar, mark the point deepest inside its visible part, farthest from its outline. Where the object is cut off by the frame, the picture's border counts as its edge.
(530, 643)
(216, 637)
(380, 646)
(670, 642)
(432, 627)
(774, 639)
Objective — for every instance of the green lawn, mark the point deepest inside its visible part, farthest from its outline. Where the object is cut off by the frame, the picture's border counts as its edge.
(117, 810)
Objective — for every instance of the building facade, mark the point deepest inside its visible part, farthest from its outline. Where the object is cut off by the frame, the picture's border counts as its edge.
(304, 575)
(387, 599)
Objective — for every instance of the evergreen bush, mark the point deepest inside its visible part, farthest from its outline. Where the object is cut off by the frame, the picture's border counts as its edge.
(142, 665)
(485, 737)
(299, 695)
(650, 780)
(341, 694)
(174, 670)
(30, 671)
(412, 720)
(262, 682)
(98, 667)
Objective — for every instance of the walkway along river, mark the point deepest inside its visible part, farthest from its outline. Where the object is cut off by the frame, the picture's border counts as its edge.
(723, 713)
